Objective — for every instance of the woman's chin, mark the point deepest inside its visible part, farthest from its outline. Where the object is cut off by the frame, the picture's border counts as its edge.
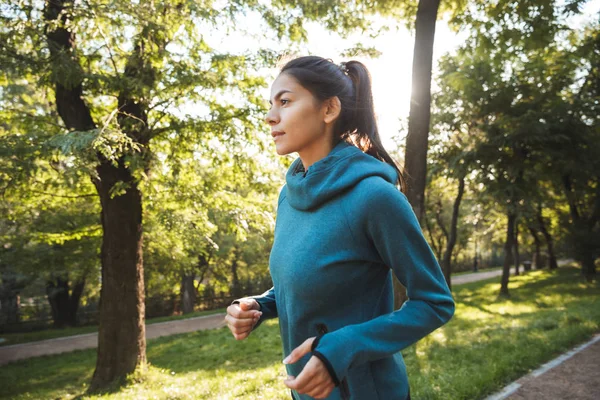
(282, 150)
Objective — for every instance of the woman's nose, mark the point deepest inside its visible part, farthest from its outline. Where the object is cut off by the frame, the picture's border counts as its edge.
(271, 117)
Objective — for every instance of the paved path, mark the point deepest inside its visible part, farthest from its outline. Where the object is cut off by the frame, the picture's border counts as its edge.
(479, 276)
(574, 375)
(90, 340)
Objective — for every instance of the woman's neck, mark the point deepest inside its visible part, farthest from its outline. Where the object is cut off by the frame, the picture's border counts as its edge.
(317, 152)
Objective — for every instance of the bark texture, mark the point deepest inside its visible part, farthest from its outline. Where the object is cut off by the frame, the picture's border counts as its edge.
(121, 334)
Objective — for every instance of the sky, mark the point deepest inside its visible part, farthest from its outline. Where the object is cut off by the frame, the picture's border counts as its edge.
(390, 72)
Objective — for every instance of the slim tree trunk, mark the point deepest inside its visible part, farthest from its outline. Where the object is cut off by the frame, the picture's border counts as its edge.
(9, 308)
(508, 245)
(549, 241)
(588, 266)
(188, 293)
(434, 245)
(447, 261)
(419, 117)
(415, 163)
(235, 280)
(517, 255)
(583, 228)
(9, 301)
(537, 245)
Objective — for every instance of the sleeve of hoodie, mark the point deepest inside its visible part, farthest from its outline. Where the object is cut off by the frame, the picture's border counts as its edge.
(389, 223)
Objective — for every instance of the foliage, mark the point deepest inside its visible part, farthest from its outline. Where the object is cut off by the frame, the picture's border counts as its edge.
(509, 106)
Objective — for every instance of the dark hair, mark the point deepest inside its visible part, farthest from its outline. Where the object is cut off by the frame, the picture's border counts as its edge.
(351, 83)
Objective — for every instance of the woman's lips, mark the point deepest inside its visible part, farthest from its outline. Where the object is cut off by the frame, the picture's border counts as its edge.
(277, 134)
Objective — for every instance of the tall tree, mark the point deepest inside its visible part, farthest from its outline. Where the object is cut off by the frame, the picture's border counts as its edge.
(415, 159)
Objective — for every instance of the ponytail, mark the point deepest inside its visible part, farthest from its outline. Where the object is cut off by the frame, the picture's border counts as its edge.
(365, 134)
(351, 83)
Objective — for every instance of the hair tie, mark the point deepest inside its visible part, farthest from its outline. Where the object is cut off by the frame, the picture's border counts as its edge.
(343, 68)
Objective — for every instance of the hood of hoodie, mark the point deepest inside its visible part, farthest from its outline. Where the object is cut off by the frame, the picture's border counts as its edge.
(340, 170)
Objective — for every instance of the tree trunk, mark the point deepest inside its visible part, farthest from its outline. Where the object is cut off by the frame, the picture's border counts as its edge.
(188, 293)
(583, 233)
(537, 252)
(419, 117)
(415, 163)
(476, 257)
(508, 246)
(447, 261)
(517, 255)
(121, 335)
(9, 301)
(434, 245)
(399, 293)
(235, 280)
(549, 241)
(64, 302)
(588, 266)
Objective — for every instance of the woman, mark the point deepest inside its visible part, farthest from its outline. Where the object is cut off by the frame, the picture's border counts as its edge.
(342, 228)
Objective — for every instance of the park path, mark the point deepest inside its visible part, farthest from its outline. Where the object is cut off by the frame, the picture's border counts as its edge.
(479, 276)
(574, 375)
(90, 340)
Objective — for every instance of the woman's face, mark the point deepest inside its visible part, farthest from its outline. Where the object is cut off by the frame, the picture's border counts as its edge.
(297, 119)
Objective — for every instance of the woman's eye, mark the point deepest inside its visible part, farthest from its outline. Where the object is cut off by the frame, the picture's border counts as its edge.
(284, 102)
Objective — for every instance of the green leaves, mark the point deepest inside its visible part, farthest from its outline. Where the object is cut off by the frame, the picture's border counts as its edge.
(112, 144)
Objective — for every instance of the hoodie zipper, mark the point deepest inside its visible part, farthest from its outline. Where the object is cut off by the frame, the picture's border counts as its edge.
(344, 390)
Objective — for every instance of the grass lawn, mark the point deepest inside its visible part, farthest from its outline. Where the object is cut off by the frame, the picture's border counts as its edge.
(488, 343)
(16, 338)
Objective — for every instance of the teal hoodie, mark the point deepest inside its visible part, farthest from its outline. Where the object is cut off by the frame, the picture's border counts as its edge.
(342, 228)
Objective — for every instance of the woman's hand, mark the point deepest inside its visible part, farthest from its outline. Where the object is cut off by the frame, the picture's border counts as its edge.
(314, 380)
(242, 317)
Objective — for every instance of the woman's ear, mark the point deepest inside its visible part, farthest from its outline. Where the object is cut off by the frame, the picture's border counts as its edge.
(333, 109)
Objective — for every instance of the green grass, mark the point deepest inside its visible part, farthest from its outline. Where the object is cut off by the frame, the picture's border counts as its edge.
(489, 343)
(17, 338)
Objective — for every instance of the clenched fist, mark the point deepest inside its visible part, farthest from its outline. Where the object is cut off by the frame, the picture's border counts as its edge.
(242, 317)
